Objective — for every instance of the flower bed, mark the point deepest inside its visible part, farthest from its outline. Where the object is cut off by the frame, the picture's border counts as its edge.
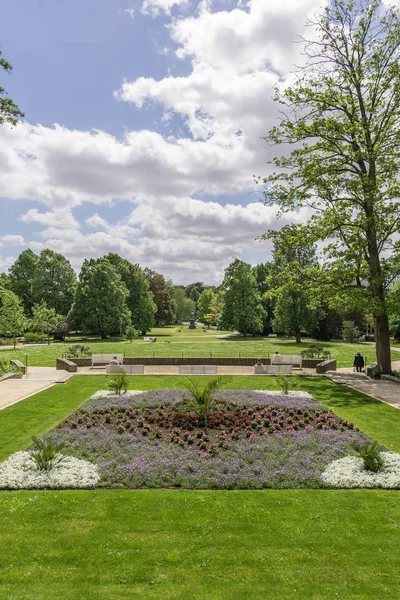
(258, 440)
(349, 472)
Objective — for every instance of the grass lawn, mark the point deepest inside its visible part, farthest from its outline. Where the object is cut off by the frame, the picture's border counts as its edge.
(182, 545)
(207, 545)
(187, 343)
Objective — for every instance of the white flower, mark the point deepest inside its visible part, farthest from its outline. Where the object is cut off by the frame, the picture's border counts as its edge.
(349, 472)
(20, 471)
(108, 393)
(280, 394)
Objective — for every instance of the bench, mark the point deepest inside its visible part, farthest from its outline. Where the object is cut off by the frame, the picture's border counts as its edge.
(148, 339)
(272, 370)
(103, 359)
(282, 359)
(19, 365)
(272, 335)
(198, 369)
(127, 369)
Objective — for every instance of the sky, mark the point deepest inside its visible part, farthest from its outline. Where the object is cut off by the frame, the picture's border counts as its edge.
(144, 124)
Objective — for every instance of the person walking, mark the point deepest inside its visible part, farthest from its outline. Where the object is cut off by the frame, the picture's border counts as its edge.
(358, 362)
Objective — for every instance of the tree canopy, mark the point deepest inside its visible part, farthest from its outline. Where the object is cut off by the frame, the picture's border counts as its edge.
(341, 116)
(54, 281)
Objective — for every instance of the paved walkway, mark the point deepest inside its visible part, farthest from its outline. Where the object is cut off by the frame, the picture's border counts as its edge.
(37, 380)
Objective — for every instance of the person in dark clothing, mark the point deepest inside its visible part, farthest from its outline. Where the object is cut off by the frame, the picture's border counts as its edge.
(358, 362)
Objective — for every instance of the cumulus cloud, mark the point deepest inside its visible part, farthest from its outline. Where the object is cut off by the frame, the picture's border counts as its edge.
(235, 57)
(156, 7)
(11, 240)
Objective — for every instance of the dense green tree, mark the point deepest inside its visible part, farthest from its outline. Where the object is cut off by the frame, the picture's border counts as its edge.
(100, 299)
(54, 281)
(262, 273)
(9, 111)
(21, 274)
(162, 297)
(184, 307)
(294, 261)
(140, 300)
(216, 309)
(193, 290)
(341, 116)
(242, 309)
(349, 332)
(12, 317)
(4, 281)
(204, 304)
(327, 323)
(45, 320)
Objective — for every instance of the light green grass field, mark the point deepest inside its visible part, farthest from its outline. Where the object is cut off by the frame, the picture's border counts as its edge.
(197, 545)
(188, 344)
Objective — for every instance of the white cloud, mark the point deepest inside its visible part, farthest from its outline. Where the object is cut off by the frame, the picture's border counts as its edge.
(130, 12)
(11, 240)
(235, 58)
(156, 7)
(6, 262)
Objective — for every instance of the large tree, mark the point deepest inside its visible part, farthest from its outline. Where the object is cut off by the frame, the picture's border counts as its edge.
(44, 319)
(290, 280)
(140, 300)
(184, 307)
(204, 305)
(9, 111)
(12, 317)
(162, 297)
(242, 308)
(262, 273)
(100, 299)
(54, 281)
(342, 118)
(20, 278)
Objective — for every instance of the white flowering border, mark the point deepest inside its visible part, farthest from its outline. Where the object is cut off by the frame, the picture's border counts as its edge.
(110, 394)
(349, 472)
(20, 472)
(282, 395)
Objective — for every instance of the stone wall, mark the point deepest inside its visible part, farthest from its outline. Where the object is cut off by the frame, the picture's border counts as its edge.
(327, 365)
(63, 364)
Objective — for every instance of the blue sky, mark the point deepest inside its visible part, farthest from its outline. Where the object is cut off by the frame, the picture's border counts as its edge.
(142, 130)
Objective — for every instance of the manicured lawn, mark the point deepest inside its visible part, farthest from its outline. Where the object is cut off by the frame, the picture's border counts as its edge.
(199, 545)
(191, 344)
(182, 545)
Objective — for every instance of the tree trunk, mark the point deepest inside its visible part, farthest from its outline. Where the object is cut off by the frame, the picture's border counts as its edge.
(382, 343)
(15, 341)
(298, 336)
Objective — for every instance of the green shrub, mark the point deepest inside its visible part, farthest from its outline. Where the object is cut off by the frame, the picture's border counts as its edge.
(315, 351)
(32, 337)
(371, 455)
(118, 383)
(286, 383)
(46, 453)
(78, 351)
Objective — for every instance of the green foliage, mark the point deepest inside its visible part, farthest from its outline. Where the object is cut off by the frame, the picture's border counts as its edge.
(78, 351)
(286, 383)
(118, 383)
(184, 307)
(140, 300)
(100, 299)
(12, 318)
(349, 332)
(46, 453)
(242, 308)
(33, 337)
(9, 111)
(20, 278)
(341, 116)
(204, 304)
(44, 320)
(162, 297)
(131, 333)
(54, 282)
(202, 400)
(315, 351)
(371, 455)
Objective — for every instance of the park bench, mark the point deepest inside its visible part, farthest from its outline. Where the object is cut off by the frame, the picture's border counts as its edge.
(127, 369)
(282, 359)
(272, 370)
(197, 369)
(272, 335)
(19, 365)
(148, 339)
(99, 360)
